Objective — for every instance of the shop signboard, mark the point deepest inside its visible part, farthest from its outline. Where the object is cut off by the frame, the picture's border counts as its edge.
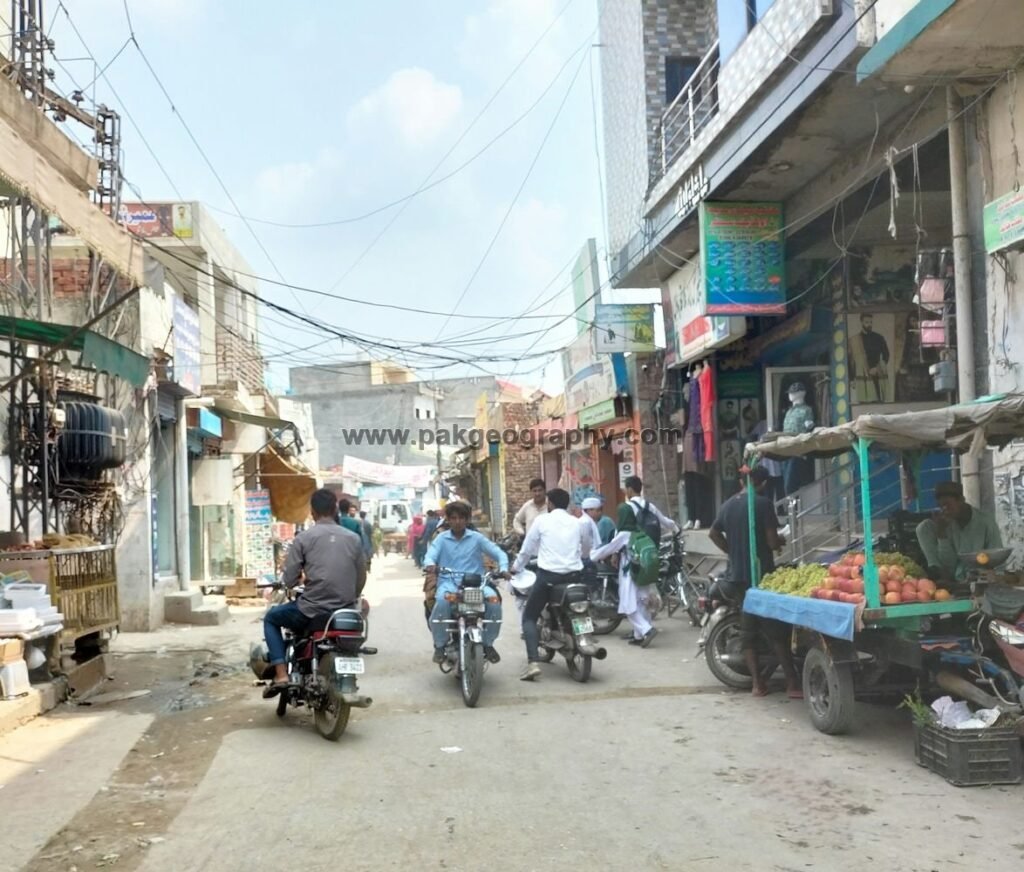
(705, 333)
(591, 378)
(625, 471)
(160, 219)
(598, 414)
(586, 286)
(185, 330)
(1004, 222)
(744, 258)
(620, 328)
(259, 534)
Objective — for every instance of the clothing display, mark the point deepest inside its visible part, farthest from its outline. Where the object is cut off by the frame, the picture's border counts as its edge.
(707, 411)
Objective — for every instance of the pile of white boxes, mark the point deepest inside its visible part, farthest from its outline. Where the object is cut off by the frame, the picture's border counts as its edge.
(25, 612)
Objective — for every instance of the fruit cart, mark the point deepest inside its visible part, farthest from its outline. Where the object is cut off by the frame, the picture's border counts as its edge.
(869, 626)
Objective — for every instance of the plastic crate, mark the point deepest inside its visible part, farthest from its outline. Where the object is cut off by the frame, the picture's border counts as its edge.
(970, 757)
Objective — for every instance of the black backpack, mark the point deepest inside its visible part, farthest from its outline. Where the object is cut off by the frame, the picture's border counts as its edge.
(648, 522)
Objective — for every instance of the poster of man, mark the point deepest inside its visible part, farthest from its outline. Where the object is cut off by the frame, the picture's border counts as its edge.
(732, 459)
(750, 417)
(182, 216)
(729, 419)
(871, 361)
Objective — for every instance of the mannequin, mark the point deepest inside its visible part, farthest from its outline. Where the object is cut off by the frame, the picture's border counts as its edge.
(799, 471)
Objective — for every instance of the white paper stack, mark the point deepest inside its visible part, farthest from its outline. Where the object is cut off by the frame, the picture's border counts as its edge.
(18, 621)
(26, 595)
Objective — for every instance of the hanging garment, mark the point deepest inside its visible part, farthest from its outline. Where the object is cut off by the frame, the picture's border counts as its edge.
(707, 411)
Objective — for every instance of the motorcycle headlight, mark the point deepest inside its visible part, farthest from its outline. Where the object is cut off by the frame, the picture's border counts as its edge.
(471, 608)
(580, 607)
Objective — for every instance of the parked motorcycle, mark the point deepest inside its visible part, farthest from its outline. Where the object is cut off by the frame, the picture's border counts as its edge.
(566, 626)
(676, 587)
(603, 582)
(323, 664)
(464, 651)
(720, 638)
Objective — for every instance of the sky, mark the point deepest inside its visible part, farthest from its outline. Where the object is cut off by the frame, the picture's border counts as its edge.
(327, 110)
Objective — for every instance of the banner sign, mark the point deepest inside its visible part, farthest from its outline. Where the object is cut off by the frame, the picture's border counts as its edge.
(185, 329)
(620, 328)
(381, 473)
(743, 256)
(1004, 222)
(156, 220)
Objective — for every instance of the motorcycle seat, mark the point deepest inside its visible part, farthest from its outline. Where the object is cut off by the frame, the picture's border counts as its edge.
(1003, 602)
(562, 591)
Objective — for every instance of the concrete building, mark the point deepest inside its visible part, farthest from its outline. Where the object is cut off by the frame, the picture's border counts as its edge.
(783, 171)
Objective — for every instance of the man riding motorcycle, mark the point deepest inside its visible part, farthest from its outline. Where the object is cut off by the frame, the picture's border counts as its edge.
(332, 560)
(461, 550)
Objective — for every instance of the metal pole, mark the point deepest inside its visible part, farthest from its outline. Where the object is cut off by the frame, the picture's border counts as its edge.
(871, 590)
(962, 278)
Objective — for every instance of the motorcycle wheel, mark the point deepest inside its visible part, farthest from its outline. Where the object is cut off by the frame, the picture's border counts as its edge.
(691, 594)
(331, 717)
(725, 640)
(605, 624)
(546, 654)
(471, 678)
(579, 666)
(282, 703)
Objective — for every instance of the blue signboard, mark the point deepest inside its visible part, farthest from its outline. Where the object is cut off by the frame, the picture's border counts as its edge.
(743, 258)
(187, 371)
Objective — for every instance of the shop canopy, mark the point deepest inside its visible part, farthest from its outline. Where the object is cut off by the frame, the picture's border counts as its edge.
(290, 485)
(99, 351)
(967, 427)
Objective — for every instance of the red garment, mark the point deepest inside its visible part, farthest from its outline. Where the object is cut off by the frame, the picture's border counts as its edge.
(416, 529)
(707, 411)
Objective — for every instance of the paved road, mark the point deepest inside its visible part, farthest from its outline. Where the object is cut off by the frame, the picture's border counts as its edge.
(650, 765)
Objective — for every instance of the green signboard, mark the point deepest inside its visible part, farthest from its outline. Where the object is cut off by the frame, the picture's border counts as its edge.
(739, 385)
(597, 414)
(1004, 222)
(743, 256)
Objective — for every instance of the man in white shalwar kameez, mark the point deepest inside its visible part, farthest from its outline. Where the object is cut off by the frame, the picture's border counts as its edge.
(633, 599)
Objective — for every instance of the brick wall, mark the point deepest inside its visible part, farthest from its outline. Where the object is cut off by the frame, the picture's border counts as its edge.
(521, 465)
(71, 276)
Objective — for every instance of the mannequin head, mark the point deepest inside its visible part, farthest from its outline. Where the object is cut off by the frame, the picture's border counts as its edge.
(797, 394)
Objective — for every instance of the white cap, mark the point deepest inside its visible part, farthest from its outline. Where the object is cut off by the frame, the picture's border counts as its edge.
(591, 503)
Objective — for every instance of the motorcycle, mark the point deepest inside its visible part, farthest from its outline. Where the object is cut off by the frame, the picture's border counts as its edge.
(566, 626)
(603, 582)
(464, 651)
(323, 665)
(676, 587)
(720, 638)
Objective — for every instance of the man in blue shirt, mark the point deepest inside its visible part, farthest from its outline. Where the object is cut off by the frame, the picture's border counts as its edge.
(462, 551)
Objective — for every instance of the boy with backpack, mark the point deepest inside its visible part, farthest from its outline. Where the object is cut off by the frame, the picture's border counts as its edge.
(649, 518)
(638, 564)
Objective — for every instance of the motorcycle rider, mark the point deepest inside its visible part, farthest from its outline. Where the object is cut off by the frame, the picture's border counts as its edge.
(554, 539)
(590, 535)
(462, 550)
(334, 565)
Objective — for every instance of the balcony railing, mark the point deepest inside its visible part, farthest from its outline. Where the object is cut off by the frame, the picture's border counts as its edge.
(690, 112)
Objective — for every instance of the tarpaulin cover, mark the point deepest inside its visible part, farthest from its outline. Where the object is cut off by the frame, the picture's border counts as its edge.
(290, 486)
(967, 427)
(833, 619)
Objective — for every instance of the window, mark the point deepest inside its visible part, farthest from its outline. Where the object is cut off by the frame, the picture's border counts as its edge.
(678, 71)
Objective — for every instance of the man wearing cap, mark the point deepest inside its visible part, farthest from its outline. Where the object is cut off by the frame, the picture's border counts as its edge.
(956, 528)
(590, 535)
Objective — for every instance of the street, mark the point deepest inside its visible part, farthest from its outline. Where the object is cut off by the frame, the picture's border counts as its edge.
(650, 765)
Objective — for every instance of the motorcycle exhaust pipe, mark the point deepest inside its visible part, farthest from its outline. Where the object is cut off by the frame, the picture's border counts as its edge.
(357, 700)
(592, 650)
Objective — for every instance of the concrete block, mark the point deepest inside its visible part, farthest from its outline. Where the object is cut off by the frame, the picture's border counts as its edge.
(40, 699)
(179, 606)
(210, 616)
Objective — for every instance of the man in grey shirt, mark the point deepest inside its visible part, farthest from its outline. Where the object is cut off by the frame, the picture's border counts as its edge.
(332, 560)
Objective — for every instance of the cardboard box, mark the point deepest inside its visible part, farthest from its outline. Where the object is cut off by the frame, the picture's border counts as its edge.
(242, 588)
(11, 651)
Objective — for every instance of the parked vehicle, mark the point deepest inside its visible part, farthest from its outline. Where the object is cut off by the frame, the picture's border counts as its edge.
(720, 638)
(323, 667)
(566, 625)
(464, 652)
(676, 587)
(603, 582)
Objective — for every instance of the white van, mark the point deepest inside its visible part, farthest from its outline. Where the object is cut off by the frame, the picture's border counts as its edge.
(392, 516)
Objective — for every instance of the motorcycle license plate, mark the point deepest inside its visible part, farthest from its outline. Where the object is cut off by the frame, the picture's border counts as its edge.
(349, 665)
(581, 626)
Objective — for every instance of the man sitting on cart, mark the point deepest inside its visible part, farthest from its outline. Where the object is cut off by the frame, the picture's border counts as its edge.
(956, 528)
(731, 533)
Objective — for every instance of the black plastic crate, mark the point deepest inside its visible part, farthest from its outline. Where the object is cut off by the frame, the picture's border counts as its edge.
(970, 757)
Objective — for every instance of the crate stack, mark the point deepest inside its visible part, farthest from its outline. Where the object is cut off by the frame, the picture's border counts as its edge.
(25, 612)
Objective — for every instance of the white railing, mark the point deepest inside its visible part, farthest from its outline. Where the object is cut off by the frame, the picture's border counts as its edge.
(691, 111)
